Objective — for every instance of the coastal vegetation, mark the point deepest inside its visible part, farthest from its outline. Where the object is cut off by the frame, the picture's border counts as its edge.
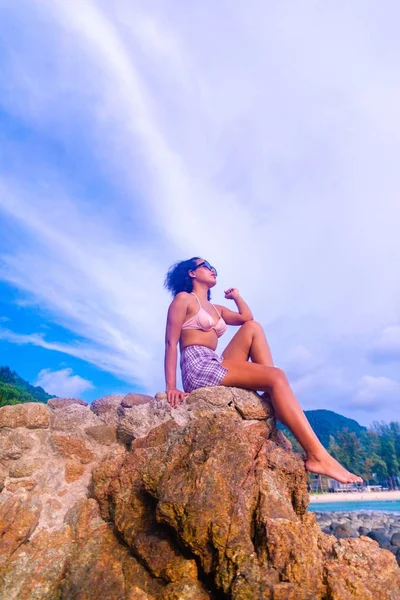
(372, 452)
(15, 390)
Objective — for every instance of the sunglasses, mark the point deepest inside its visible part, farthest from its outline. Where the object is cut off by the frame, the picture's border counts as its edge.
(207, 265)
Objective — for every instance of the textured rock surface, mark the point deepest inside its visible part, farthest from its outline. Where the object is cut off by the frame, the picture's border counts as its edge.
(382, 527)
(127, 499)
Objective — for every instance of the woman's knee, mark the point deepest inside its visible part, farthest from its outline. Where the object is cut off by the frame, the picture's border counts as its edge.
(252, 326)
(279, 378)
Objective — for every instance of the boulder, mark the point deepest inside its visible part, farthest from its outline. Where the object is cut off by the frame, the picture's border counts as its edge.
(64, 402)
(106, 408)
(395, 541)
(128, 499)
(33, 415)
(345, 530)
(379, 535)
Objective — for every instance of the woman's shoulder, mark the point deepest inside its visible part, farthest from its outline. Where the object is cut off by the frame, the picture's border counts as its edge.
(182, 297)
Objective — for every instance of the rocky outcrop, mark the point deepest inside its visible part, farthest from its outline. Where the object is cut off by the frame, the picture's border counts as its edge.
(128, 499)
(382, 527)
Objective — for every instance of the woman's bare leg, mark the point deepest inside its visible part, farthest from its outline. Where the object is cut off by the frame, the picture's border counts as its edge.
(288, 410)
(249, 342)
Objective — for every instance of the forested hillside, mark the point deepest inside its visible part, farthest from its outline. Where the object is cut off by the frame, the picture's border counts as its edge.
(328, 423)
(14, 389)
(373, 452)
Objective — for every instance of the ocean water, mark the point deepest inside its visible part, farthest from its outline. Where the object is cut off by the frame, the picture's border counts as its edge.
(366, 505)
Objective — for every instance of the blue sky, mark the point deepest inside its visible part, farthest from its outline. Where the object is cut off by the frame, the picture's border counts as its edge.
(264, 137)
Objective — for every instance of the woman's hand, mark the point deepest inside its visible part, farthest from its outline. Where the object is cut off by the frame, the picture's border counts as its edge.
(232, 293)
(175, 396)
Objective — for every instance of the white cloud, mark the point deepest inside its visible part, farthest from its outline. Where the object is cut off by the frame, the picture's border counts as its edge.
(323, 388)
(300, 362)
(387, 346)
(118, 363)
(4, 319)
(62, 383)
(374, 393)
(271, 153)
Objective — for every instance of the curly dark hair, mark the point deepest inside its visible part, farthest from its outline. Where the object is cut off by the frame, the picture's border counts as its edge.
(178, 280)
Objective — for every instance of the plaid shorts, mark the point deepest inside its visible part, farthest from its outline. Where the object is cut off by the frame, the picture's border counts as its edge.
(201, 367)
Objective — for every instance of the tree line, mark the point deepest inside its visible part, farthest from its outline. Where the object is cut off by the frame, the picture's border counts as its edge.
(374, 454)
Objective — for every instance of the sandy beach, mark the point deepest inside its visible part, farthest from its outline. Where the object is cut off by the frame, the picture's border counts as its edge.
(355, 496)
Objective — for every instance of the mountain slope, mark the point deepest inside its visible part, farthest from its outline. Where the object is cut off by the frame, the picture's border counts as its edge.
(327, 422)
(15, 390)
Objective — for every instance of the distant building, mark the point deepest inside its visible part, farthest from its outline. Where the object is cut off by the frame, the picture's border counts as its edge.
(320, 483)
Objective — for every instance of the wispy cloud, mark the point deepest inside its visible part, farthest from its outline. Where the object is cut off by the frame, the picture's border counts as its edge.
(374, 393)
(265, 146)
(117, 363)
(386, 347)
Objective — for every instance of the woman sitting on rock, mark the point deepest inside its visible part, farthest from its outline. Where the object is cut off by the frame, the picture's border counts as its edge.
(197, 324)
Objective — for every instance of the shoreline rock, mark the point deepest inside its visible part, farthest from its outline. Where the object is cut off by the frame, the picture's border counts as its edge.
(132, 500)
(383, 527)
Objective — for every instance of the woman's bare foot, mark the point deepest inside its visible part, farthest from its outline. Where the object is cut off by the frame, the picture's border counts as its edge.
(327, 465)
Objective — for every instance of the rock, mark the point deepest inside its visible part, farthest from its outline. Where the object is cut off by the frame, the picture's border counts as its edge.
(395, 541)
(23, 468)
(233, 462)
(106, 408)
(363, 530)
(83, 559)
(136, 420)
(3, 476)
(33, 415)
(398, 556)
(379, 536)
(72, 417)
(225, 455)
(103, 434)
(72, 447)
(64, 402)
(73, 471)
(135, 400)
(186, 590)
(24, 485)
(14, 443)
(201, 502)
(359, 570)
(18, 519)
(395, 528)
(345, 531)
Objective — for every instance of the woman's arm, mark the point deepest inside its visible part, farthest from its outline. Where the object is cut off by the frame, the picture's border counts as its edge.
(175, 318)
(236, 318)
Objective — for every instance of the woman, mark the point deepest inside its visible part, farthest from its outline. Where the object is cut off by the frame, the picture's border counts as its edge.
(196, 324)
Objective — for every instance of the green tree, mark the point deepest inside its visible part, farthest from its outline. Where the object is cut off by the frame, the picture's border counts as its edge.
(14, 389)
(387, 451)
(347, 449)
